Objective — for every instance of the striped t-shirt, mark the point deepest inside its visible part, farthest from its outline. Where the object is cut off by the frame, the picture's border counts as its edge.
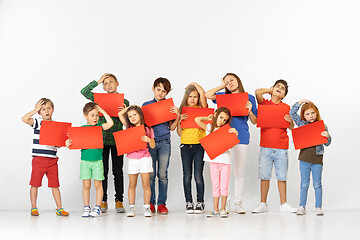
(41, 150)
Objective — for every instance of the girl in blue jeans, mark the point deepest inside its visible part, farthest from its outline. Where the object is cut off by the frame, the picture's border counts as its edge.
(311, 158)
(192, 153)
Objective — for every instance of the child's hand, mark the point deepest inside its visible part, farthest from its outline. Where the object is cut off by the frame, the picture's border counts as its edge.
(99, 109)
(233, 130)
(211, 117)
(248, 106)
(223, 82)
(103, 77)
(123, 107)
(68, 143)
(325, 134)
(183, 116)
(303, 101)
(288, 118)
(174, 109)
(39, 105)
(145, 139)
(270, 90)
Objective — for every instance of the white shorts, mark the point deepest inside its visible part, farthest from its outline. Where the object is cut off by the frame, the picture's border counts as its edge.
(142, 165)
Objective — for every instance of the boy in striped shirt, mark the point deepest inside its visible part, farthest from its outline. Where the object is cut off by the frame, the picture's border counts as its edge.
(44, 158)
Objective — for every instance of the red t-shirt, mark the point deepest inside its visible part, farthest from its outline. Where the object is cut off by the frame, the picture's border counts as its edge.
(274, 137)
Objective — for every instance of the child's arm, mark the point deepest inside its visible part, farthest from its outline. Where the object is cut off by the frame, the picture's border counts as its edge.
(200, 121)
(202, 97)
(233, 130)
(121, 115)
(327, 135)
(87, 90)
(151, 141)
(252, 116)
(288, 118)
(261, 91)
(179, 129)
(27, 118)
(174, 123)
(109, 122)
(211, 93)
(293, 113)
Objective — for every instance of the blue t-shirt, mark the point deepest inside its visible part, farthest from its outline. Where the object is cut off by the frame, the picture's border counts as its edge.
(162, 130)
(240, 122)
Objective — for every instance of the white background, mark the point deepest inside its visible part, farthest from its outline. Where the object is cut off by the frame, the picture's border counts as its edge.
(54, 48)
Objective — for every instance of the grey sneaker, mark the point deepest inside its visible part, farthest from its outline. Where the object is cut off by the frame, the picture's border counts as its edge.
(300, 211)
(199, 208)
(189, 208)
(131, 212)
(147, 211)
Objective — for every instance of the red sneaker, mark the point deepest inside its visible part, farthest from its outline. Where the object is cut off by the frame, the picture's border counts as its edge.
(152, 208)
(162, 209)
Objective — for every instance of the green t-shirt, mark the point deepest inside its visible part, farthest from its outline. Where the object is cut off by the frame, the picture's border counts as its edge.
(91, 154)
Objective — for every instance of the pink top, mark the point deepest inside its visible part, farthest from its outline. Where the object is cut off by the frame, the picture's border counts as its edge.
(145, 151)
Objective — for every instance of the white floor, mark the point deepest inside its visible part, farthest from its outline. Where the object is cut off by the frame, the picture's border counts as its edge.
(177, 225)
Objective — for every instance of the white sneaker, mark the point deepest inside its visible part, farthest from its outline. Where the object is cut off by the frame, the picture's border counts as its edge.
(261, 208)
(147, 211)
(285, 207)
(223, 213)
(319, 212)
(131, 212)
(96, 212)
(301, 211)
(227, 206)
(238, 208)
(86, 212)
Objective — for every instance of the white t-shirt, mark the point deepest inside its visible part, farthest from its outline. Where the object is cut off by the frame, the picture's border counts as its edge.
(222, 158)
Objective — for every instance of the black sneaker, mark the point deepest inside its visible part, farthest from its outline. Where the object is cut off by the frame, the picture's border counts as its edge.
(199, 208)
(189, 208)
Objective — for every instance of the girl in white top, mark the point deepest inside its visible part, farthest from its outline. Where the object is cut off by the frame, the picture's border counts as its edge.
(219, 166)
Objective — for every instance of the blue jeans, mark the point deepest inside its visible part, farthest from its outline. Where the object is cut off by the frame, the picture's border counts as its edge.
(305, 169)
(160, 156)
(193, 154)
(273, 156)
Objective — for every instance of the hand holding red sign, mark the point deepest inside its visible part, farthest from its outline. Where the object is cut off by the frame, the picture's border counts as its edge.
(53, 133)
(86, 137)
(129, 140)
(309, 135)
(158, 112)
(192, 113)
(273, 116)
(236, 102)
(110, 102)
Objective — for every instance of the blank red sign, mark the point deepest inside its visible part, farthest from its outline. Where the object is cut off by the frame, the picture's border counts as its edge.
(309, 135)
(236, 102)
(110, 102)
(272, 116)
(129, 140)
(219, 141)
(54, 133)
(158, 112)
(192, 113)
(86, 137)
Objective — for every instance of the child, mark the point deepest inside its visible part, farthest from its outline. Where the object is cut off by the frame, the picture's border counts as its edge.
(161, 153)
(219, 166)
(232, 84)
(91, 166)
(139, 161)
(110, 85)
(274, 144)
(192, 153)
(311, 158)
(44, 158)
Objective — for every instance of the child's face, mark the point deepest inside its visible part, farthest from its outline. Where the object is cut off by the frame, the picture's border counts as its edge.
(231, 83)
(193, 99)
(222, 119)
(134, 117)
(159, 92)
(110, 85)
(310, 115)
(46, 112)
(92, 117)
(279, 90)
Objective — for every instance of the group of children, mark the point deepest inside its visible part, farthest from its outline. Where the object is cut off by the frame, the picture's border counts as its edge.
(152, 162)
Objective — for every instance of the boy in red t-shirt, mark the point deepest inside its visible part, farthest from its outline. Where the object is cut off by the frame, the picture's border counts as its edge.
(274, 146)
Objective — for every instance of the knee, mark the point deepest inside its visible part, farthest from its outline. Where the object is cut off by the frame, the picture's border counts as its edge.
(304, 184)
(318, 185)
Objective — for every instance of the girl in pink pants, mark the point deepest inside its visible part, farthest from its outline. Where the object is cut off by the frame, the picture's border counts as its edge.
(219, 166)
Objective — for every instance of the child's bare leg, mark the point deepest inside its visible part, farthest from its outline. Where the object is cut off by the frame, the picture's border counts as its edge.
(216, 203)
(99, 192)
(223, 202)
(282, 191)
(57, 197)
(86, 191)
(264, 189)
(132, 188)
(33, 196)
(145, 178)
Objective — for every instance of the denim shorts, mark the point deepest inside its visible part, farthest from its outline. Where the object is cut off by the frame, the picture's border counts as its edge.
(270, 156)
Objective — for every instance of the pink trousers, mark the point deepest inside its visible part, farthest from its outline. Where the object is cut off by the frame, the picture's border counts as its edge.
(220, 175)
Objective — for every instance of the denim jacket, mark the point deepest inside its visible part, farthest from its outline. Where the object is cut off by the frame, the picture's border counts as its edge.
(297, 119)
